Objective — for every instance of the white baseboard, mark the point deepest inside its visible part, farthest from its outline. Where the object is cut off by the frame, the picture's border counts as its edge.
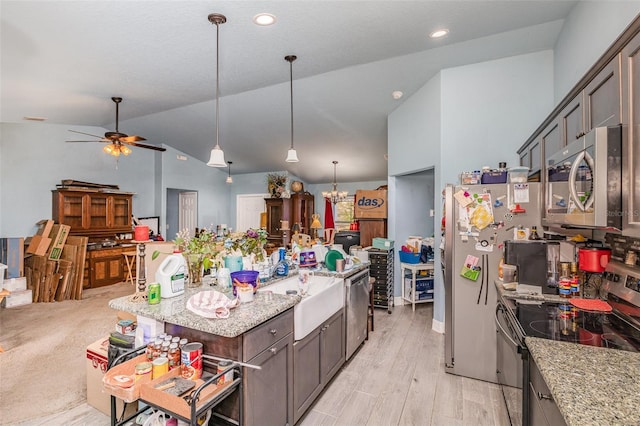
(437, 326)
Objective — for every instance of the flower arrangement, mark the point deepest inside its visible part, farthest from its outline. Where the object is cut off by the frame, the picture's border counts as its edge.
(249, 243)
(276, 184)
(204, 244)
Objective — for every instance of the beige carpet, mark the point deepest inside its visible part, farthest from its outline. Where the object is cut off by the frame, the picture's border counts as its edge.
(42, 370)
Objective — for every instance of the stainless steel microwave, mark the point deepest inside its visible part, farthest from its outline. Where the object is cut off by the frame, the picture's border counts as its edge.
(584, 182)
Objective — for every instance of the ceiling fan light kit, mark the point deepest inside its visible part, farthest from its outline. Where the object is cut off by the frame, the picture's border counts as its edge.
(117, 140)
(292, 155)
(217, 155)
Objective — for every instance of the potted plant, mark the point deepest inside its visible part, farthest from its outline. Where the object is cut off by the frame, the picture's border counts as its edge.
(200, 252)
(276, 184)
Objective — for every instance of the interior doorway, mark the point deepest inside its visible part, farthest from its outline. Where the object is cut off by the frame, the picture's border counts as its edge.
(248, 210)
(182, 211)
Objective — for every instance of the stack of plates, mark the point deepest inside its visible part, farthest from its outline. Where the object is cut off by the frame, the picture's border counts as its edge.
(330, 259)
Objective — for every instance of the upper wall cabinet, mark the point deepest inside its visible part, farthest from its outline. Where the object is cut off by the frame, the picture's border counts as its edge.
(630, 77)
(603, 98)
(93, 213)
(571, 120)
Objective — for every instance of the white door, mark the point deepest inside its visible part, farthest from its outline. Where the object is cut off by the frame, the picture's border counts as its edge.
(188, 211)
(248, 209)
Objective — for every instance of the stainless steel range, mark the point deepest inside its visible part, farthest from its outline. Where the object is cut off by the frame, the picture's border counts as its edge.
(517, 319)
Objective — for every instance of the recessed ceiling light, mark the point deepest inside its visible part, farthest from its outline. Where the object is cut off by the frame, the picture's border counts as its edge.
(396, 94)
(30, 118)
(439, 33)
(264, 19)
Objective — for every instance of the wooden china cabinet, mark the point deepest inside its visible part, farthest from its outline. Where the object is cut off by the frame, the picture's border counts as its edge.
(99, 216)
(297, 209)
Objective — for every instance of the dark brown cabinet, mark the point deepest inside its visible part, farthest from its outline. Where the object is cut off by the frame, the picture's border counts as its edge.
(631, 136)
(602, 98)
(571, 120)
(93, 213)
(107, 266)
(302, 206)
(316, 359)
(543, 409)
(278, 209)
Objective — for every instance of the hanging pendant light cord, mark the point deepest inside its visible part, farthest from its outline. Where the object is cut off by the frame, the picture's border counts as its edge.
(217, 82)
(291, 86)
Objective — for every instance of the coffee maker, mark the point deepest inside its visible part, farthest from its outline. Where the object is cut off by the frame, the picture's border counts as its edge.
(531, 260)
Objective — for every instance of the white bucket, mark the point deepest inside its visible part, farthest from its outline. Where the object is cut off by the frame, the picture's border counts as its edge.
(171, 276)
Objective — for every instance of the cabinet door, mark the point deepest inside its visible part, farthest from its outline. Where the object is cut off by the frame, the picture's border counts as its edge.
(106, 270)
(68, 209)
(307, 372)
(98, 217)
(631, 137)
(269, 391)
(572, 121)
(525, 160)
(602, 97)
(333, 346)
(551, 140)
(121, 208)
(301, 211)
(535, 153)
(541, 401)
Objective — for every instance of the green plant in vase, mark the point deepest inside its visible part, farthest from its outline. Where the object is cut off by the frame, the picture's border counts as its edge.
(200, 252)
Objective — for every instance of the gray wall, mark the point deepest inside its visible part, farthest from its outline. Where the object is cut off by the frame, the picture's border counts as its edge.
(587, 33)
(484, 111)
(477, 115)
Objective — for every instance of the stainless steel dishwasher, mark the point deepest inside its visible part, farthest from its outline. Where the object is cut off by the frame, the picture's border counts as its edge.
(356, 305)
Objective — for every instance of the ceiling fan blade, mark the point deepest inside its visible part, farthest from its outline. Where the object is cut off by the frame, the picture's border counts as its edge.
(88, 134)
(142, 145)
(103, 141)
(132, 138)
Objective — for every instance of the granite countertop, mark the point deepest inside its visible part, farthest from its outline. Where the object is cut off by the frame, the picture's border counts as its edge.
(591, 385)
(241, 319)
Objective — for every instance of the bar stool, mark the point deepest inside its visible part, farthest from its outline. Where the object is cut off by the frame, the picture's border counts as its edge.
(372, 281)
(130, 260)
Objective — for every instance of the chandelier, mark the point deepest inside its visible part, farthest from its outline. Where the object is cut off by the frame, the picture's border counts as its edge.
(334, 195)
(116, 148)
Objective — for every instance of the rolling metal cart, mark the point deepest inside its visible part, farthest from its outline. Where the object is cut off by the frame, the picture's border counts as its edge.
(191, 397)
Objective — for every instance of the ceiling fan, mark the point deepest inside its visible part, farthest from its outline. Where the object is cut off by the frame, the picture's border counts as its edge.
(118, 141)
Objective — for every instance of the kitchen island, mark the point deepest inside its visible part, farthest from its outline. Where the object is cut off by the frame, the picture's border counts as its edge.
(590, 385)
(260, 333)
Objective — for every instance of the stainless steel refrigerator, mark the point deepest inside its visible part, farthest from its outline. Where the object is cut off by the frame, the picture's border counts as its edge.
(478, 219)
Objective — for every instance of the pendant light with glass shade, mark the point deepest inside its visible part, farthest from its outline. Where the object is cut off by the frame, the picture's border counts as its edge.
(229, 178)
(292, 155)
(217, 155)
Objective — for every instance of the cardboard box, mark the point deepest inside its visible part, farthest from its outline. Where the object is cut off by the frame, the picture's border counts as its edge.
(12, 255)
(40, 242)
(97, 397)
(14, 284)
(18, 298)
(59, 234)
(370, 204)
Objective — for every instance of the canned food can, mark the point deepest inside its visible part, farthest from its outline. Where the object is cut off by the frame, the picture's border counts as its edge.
(154, 294)
(228, 376)
(159, 367)
(191, 361)
(142, 369)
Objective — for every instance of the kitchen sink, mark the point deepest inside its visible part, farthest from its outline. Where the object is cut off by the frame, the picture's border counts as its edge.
(324, 298)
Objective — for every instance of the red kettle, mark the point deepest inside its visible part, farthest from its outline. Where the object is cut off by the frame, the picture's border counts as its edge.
(592, 259)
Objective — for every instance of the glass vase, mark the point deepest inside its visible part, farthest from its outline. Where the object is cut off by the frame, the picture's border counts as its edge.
(195, 265)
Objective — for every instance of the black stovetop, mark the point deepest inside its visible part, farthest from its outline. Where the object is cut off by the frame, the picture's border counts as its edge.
(564, 322)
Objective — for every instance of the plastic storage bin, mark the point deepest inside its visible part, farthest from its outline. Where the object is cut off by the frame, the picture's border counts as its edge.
(494, 176)
(518, 174)
(407, 257)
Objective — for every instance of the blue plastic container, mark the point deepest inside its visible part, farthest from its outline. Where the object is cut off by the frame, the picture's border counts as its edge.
(407, 257)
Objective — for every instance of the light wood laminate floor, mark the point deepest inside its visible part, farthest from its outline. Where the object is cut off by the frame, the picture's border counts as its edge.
(396, 378)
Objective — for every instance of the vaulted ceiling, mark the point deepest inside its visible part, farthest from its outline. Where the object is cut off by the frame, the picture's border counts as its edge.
(64, 60)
